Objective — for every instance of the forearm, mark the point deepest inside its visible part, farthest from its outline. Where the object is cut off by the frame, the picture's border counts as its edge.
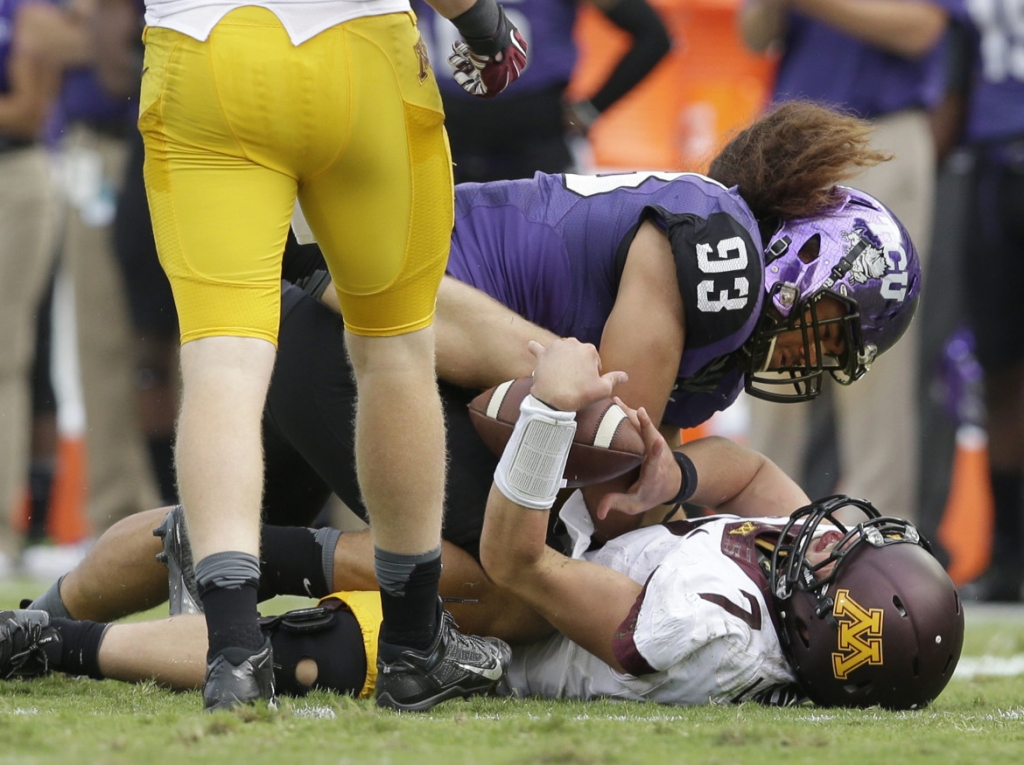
(763, 22)
(451, 8)
(584, 601)
(62, 38)
(20, 117)
(116, 29)
(480, 342)
(735, 479)
(650, 44)
(32, 87)
(908, 28)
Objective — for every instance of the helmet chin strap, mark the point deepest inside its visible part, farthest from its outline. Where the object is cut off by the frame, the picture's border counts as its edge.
(769, 354)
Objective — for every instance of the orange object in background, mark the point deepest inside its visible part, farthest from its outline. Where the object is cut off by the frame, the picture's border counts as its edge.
(968, 521)
(708, 87)
(66, 522)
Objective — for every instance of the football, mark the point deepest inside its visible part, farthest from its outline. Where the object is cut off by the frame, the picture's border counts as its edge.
(605, 446)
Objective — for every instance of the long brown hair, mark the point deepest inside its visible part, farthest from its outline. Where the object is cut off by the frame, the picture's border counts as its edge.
(789, 161)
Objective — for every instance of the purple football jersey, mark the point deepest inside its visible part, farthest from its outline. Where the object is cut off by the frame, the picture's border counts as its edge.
(824, 64)
(546, 25)
(553, 248)
(997, 87)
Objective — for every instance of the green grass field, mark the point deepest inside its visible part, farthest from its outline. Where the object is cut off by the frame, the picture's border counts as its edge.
(979, 719)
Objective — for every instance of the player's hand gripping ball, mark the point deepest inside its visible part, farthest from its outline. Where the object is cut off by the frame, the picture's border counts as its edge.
(606, 444)
(485, 67)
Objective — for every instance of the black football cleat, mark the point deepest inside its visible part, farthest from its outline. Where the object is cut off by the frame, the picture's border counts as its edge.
(25, 637)
(235, 677)
(182, 590)
(455, 666)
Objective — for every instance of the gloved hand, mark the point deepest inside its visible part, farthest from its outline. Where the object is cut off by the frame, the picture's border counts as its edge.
(485, 66)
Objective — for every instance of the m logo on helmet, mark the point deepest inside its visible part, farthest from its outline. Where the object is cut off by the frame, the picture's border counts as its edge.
(860, 635)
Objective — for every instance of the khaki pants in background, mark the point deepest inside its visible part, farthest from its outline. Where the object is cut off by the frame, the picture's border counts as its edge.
(876, 417)
(120, 475)
(28, 226)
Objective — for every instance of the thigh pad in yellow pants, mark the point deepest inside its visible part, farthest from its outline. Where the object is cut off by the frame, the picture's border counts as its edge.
(350, 122)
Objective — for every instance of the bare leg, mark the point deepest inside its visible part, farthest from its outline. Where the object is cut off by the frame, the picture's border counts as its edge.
(219, 452)
(400, 464)
(120, 575)
(170, 651)
(400, 445)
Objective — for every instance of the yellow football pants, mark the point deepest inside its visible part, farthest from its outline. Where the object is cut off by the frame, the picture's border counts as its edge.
(350, 122)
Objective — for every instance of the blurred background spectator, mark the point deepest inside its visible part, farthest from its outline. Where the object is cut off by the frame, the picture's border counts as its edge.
(882, 60)
(90, 128)
(28, 225)
(531, 128)
(992, 270)
(118, 33)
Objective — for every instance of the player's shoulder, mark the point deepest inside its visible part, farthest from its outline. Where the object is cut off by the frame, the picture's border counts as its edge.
(719, 268)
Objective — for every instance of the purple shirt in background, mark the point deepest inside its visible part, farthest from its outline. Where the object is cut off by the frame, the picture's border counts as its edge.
(552, 249)
(546, 25)
(824, 64)
(997, 86)
(83, 98)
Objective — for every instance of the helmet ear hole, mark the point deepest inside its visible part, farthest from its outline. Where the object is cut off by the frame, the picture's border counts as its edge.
(810, 249)
(899, 606)
(802, 633)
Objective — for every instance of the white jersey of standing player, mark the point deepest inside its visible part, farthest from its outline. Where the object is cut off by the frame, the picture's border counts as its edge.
(700, 632)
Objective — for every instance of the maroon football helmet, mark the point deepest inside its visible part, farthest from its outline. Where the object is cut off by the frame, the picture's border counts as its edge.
(884, 627)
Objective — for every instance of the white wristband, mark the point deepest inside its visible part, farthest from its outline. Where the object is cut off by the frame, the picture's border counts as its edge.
(531, 467)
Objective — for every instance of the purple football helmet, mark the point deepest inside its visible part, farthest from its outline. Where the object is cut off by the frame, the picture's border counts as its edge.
(857, 253)
(884, 626)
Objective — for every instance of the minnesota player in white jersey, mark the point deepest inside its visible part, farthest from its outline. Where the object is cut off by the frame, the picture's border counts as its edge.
(701, 630)
(717, 609)
(694, 612)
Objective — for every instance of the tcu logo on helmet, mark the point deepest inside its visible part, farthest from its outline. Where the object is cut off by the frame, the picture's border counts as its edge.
(860, 635)
(872, 262)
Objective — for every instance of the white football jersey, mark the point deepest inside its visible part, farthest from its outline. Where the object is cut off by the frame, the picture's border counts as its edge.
(302, 19)
(701, 631)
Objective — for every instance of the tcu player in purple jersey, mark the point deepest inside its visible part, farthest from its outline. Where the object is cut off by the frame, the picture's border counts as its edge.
(721, 609)
(993, 271)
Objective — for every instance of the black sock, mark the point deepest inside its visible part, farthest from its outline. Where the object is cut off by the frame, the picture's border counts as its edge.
(231, 619)
(1008, 539)
(409, 598)
(228, 583)
(291, 563)
(79, 647)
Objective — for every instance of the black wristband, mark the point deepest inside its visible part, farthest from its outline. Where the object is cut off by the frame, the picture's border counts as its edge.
(479, 25)
(688, 483)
